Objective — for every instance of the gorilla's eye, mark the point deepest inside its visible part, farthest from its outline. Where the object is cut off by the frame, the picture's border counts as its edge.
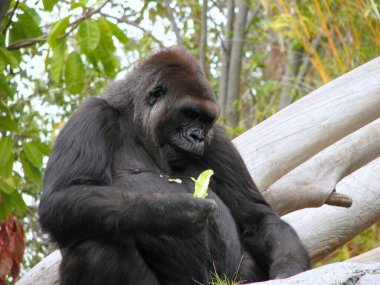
(155, 94)
(191, 114)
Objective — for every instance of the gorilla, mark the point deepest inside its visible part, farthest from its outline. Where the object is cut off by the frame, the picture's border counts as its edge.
(108, 203)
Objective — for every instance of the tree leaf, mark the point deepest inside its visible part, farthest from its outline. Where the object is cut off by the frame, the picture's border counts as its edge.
(74, 73)
(49, 4)
(8, 124)
(58, 29)
(88, 36)
(30, 171)
(32, 154)
(57, 60)
(106, 48)
(7, 185)
(7, 168)
(43, 148)
(30, 27)
(5, 87)
(5, 150)
(118, 33)
(9, 58)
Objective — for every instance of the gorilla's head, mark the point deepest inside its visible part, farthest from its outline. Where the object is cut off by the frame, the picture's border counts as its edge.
(173, 105)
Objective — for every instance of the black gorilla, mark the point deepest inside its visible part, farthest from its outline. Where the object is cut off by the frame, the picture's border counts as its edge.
(109, 205)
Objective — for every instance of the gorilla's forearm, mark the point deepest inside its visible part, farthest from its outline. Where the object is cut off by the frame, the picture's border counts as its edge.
(85, 211)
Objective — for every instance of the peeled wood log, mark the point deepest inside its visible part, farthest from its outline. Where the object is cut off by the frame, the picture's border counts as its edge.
(296, 133)
(370, 256)
(342, 273)
(313, 183)
(324, 229)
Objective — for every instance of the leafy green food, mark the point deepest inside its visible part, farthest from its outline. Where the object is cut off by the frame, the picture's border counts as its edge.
(201, 184)
(171, 180)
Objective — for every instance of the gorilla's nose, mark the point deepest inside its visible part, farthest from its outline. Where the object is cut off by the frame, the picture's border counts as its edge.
(196, 135)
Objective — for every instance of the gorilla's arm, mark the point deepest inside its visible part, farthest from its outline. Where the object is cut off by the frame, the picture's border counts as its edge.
(79, 201)
(271, 241)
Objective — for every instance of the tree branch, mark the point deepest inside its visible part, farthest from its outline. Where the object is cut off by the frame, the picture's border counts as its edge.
(125, 20)
(29, 42)
(3, 11)
(174, 24)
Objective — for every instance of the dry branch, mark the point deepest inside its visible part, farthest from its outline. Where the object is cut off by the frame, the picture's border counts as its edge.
(314, 182)
(296, 133)
(324, 229)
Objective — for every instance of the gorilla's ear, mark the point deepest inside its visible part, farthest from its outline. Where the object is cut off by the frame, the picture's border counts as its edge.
(157, 93)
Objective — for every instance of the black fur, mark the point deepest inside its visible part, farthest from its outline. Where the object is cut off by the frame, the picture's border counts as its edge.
(109, 205)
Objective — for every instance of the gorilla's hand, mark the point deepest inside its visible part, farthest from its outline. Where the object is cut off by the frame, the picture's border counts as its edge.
(177, 214)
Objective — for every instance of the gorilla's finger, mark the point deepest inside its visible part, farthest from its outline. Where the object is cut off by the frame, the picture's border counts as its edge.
(207, 205)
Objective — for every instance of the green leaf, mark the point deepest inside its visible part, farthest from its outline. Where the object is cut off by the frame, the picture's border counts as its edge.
(5, 108)
(18, 202)
(58, 60)
(7, 185)
(201, 184)
(5, 150)
(5, 87)
(9, 58)
(43, 148)
(58, 29)
(74, 73)
(31, 12)
(8, 124)
(178, 181)
(30, 27)
(30, 171)
(32, 154)
(6, 170)
(118, 33)
(106, 48)
(88, 36)
(49, 4)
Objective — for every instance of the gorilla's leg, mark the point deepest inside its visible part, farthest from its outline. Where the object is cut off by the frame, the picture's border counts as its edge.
(99, 263)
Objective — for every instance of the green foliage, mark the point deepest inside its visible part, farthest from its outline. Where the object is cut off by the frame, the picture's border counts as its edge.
(74, 73)
(88, 36)
(201, 184)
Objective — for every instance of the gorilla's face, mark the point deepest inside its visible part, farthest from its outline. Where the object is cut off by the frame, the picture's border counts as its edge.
(182, 112)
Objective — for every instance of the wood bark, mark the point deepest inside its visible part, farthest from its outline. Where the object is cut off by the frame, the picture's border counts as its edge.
(175, 28)
(298, 132)
(233, 87)
(203, 44)
(314, 181)
(226, 51)
(324, 229)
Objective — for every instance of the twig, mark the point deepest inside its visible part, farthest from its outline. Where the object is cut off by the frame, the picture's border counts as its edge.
(338, 199)
(125, 20)
(73, 25)
(174, 25)
(5, 6)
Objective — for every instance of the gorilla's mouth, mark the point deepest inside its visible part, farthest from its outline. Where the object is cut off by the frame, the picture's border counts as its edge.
(194, 149)
(189, 147)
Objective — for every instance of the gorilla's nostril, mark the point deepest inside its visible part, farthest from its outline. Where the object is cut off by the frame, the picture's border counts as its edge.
(197, 135)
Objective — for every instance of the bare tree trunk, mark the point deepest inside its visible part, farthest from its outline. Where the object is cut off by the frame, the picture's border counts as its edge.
(203, 45)
(291, 71)
(223, 84)
(233, 88)
(174, 24)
